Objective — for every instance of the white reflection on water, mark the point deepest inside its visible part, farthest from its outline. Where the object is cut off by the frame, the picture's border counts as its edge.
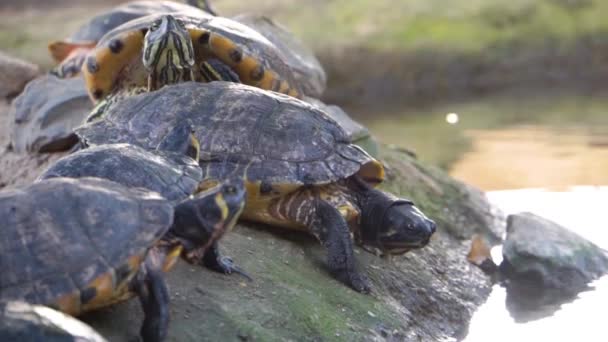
(583, 209)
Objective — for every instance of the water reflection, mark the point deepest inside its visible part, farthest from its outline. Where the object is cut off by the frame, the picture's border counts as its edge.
(581, 209)
(506, 141)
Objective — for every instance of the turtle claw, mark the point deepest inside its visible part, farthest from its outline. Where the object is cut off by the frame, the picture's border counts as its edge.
(355, 280)
(225, 265)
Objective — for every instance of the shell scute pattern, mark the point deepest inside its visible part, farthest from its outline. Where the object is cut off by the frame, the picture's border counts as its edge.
(65, 246)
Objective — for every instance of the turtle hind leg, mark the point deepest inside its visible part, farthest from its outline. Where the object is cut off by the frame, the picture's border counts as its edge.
(331, 229)
(154, 297)
(213, 260)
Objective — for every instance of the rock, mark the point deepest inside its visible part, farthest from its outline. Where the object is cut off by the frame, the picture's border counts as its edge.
(428, 294)
(550, 255)
(14, 74)
(46, 112)
(357, 133)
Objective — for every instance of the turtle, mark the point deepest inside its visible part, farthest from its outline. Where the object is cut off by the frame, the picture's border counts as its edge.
(77, 245)
(70, 52)
(150, 52)
(46, 112)
(24, 322)
(300, 169)
(170, 170)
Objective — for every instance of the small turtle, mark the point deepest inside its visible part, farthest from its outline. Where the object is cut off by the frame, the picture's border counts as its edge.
(81, 244)
(301, 60)
(300, 168)
(71, 52)
(23, 322)
(150, 52)
(171, 170)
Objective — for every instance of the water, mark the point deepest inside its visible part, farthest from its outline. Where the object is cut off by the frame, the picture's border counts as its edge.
(542, 153)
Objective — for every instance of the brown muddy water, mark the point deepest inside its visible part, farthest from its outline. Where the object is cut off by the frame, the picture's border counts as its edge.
(544, 153)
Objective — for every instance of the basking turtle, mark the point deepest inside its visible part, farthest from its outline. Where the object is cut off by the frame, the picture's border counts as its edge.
(150, 52)
(300, 168)
(70, 52)
(171, 170)
(23, 322)
(80, 244)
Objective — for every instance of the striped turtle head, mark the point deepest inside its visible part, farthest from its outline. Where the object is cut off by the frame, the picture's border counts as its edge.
(168, 54)
(203, 219)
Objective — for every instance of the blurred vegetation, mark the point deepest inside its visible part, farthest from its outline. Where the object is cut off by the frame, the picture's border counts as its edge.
(385, 25)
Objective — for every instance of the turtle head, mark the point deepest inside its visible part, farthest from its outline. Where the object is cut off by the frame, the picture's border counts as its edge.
(168, 54)
(181, 139)
(202, 220)
(394, 225)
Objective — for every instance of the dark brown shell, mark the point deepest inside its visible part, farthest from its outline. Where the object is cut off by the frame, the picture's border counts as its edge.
(61, 234)
(243, 131)
(173, 175)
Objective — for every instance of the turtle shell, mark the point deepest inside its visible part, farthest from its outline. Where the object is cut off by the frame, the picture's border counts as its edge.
(244, 131)
(91, 32)
(173, 175)
(116, 62)
(75, 244)
(23, 322)
(306, 67)
(72, 51)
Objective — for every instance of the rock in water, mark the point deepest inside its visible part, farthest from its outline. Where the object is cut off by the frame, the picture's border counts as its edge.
(46, 112)
(550, 256)
(14, 74)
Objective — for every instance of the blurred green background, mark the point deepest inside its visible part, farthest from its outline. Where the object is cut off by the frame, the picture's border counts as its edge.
(400, 66)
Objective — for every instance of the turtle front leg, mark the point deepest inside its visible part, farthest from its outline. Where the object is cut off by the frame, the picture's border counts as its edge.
(331, 229)
(213, 260)
(153, 294)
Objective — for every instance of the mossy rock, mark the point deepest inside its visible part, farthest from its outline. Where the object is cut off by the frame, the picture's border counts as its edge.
(429, 294)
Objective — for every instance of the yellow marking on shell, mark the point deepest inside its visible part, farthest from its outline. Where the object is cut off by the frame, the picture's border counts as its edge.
(111, 64)
(221, 203)
(284, 87)
(196, 144)
(172, 257)
(293, 92)
(372, 172)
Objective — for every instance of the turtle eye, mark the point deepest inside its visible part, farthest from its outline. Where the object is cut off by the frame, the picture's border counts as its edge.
(181, 24)
(155, 26)
(229, 190)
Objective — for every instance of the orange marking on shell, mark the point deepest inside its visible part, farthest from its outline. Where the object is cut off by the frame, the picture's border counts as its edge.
(372, 172)
(69, 304)
(61, 50)
(267, 80)
(172, 258)
(104, 285)
(111, 64)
